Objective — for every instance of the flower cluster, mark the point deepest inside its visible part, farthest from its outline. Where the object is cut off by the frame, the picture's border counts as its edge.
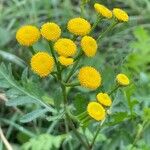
(97, 109)
(65, 51)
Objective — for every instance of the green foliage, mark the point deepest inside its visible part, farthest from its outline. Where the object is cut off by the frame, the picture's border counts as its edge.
(33, 115)
(139, 59)
(146, 115)
(20, 100)
(18, 127)
(80, 104)
(12, 58)
(5, 36)
(44, 142)
(118, 118)
(23, 95)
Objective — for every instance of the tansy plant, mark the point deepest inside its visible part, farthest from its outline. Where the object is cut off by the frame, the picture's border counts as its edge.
(65, 54)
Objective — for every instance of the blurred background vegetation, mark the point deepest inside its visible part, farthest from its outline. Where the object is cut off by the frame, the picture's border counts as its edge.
(126, 49)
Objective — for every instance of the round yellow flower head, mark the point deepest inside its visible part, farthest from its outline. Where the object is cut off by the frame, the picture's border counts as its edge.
(65, 47)
(103, 11)
(42, 64)
(79, 26)
(104, 99)
(122, 79)
(89, 46)
(120, 15)
(50, 31)
(65, 61)
(89, 77)
(96, 111)
(28, 35)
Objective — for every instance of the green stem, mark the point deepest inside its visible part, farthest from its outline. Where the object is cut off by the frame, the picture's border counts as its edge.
(111, 92)
(32, 50)
(54, 76)
(78, 136)
(79, 55)
(69, 120)
(77, 59)
(86, 119)
(71, 84)
(82, 115)
(74, 37)
(98, 19)
(82, 8)
(141, 128)
(67, 131)
(112, 25)
(97, 132)
(53, 54)
(63, 87)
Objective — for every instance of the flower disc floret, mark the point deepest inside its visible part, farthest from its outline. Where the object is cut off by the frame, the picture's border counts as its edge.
(79, 26)
(89, 46)
(120, 15)
(50, 31)
(42, 64)
(65, 61)
(27, 35)
(65, 47)
(96, 111)
(122, 79)
(103, 11)
(104, 99)
(89, 77)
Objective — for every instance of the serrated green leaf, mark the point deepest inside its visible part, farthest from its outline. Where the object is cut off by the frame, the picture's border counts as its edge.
(21, 100)
(13, 93)
(24, 74)
(141, 34)
(4, 84)
(33, 115)
(117, 118)
(5, 75)
(44, 142)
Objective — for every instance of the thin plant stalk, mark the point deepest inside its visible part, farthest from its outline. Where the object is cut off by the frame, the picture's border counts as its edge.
(63, 87)
(32, 50)
(113, 90)
(98, 19)
(97, 132)
(112, 25)
(74, 67)
(72, 84)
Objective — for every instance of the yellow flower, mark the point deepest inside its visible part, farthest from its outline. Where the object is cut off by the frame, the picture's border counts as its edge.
(102, 10)
(28, 35)
(122, 79)
(50, 31)
(89, 77)
(104, 99)
(120, 14)
(96, 111)
(79, 26)
(42, 64)
(65, 61)
(65, 47)
(89, 46)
